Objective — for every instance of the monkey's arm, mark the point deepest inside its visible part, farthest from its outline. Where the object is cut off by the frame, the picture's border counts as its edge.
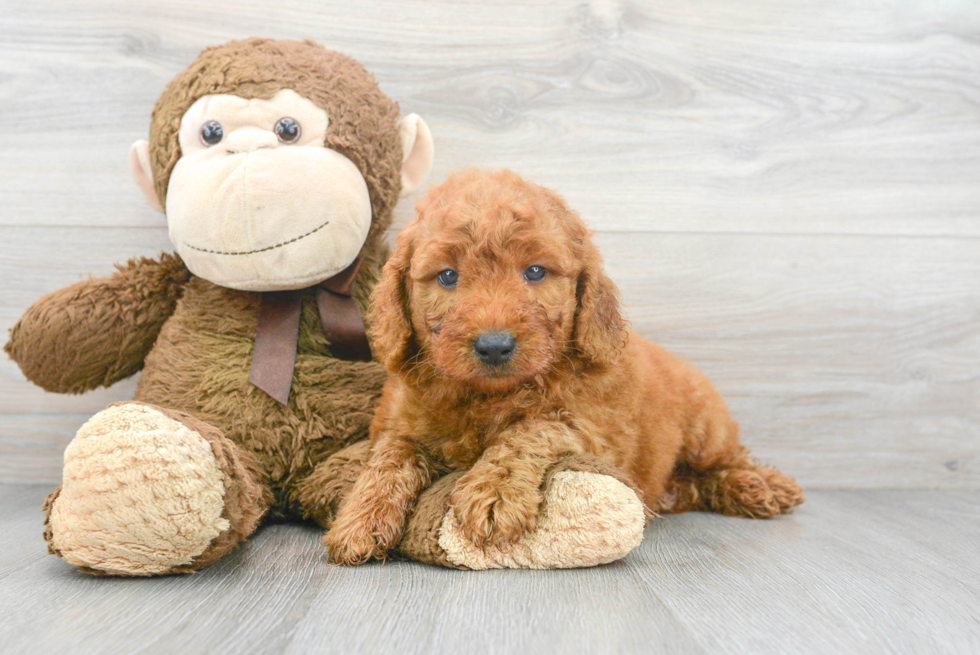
(97, 332)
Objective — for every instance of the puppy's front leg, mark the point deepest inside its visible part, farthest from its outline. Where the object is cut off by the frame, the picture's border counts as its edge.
(372, 518)
(497, 501)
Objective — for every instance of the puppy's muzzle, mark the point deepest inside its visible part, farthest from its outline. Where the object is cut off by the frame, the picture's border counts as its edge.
(495, 348)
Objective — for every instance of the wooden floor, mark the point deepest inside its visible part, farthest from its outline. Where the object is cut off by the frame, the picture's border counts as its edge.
(851, 572)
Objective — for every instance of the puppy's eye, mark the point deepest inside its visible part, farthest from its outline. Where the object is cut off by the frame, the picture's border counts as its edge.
(535, 273)
(212, 133)
(448, 278)
(287, 130)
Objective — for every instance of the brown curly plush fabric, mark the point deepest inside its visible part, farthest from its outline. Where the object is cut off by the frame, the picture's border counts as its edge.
(194, 340)
(96, 333)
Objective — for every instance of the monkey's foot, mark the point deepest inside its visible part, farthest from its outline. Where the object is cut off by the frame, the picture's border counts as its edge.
(586, 519)
(590, 516)
(143, 494)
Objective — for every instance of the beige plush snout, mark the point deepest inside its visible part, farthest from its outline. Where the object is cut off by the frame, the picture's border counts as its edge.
(248, 140)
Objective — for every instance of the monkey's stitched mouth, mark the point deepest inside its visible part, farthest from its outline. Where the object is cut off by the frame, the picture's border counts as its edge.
(252, 252)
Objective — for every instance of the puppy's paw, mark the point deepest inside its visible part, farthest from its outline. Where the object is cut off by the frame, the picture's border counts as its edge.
(352, 545)
(785, 489)
(368, 530)
(494, 512)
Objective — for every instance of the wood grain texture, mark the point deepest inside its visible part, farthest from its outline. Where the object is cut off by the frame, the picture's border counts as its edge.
(832, 116)
(844, 577)
(847, 365)
(786, 193)
(868, 571)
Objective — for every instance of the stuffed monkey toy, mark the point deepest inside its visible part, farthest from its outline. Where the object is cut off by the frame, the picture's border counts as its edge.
(278, 165)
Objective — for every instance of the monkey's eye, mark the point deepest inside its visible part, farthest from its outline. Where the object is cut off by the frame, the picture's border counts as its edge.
(212, 133)
(535, 273)
(448, 278)
(287, 130)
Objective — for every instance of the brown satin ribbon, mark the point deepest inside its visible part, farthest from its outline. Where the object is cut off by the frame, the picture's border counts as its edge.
(277, 334)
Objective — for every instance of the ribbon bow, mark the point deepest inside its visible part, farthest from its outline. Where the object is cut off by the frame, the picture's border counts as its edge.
(277, 334)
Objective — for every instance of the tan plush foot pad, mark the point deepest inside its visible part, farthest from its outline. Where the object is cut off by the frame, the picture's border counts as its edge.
(587, 519)
(142, 493)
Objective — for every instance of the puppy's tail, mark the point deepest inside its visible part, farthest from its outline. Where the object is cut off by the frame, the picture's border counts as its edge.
(749, 491)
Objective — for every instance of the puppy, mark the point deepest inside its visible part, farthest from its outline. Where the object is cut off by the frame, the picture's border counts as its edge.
(506, 350)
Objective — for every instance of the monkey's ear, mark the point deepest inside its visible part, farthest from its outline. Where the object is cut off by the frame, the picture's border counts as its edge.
(417, 152)
(139, 164)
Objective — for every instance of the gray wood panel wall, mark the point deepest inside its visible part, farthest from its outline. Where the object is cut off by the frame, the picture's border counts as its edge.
(788, 193)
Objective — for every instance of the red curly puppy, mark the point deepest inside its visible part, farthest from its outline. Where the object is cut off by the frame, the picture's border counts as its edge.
(506, 350)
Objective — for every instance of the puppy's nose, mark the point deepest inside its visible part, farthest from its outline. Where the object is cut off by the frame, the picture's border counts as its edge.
(494, 348)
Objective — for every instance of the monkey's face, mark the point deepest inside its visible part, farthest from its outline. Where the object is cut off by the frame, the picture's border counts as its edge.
(277, 161)
(256, 202)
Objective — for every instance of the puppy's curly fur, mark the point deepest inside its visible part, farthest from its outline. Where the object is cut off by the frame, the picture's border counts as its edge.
(577, 381)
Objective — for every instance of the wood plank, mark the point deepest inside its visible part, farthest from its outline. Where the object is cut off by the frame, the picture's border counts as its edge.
(38, 260)
(868, 571)
(21, 527)
(850, 361)
(845, 360)
(822, 117)
(825, 580)
(248, 602)
(604, 609)
(894, 520)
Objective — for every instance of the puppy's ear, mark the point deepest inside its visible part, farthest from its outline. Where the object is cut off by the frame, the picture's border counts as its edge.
(599, 330)
(391, 326)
